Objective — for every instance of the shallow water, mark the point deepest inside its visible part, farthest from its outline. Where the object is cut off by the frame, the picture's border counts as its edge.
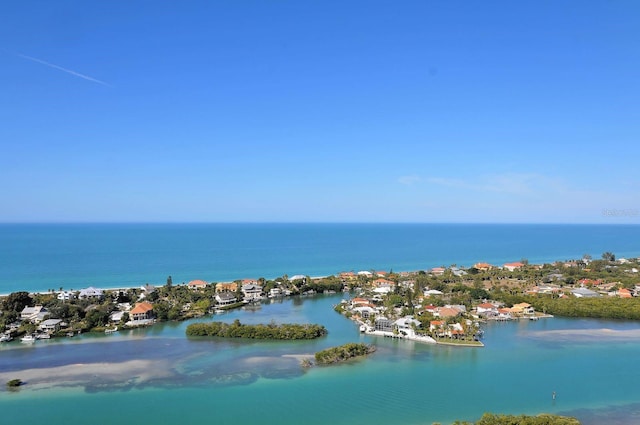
(243, 382)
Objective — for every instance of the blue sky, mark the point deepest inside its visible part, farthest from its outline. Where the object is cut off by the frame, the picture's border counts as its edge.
(330, 111)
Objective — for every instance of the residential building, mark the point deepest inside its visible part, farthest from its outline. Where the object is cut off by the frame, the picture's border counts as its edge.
(226, 298)
(141, 311)
(90, 292)
(197, 284)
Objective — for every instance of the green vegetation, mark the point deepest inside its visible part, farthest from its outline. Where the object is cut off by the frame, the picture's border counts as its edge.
(260, 331)
(457, 341)
(14, 383)
(343, 352)
(601, 308)
(543, 419)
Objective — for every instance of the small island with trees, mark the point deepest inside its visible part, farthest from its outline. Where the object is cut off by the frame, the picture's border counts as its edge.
(272, 330)
(343, 353)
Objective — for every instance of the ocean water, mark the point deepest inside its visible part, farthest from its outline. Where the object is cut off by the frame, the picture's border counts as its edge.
(159, 373)
(588, 363)
(39, 257)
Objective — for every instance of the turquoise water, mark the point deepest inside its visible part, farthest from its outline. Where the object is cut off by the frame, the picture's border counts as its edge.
(38, 257)
(234, 382)
(189, 381)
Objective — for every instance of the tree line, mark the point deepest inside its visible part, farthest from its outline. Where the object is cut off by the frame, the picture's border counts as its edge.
(287, 331)
(343, 352)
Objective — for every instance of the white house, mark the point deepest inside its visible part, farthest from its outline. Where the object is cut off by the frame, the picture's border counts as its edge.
(52, 325)
(90, 292)
(32, 313)
(383, 289)
(430, 292)
(226, 298)
(487, 309)
(406, 323)
(252, 292)
(66, 296)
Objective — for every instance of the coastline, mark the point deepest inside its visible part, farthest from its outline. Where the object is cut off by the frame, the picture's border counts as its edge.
(35, 262)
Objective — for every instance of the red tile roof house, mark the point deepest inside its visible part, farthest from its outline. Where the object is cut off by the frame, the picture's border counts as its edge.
(445, 312)
(438, 271)
(431, 309)
(142, 312)
(358, 301)
(437, 326)
(482, 266)
(197, 284)
(486, 308)
(513, 266)
(625, 293)
(504, 314)
(383, 282)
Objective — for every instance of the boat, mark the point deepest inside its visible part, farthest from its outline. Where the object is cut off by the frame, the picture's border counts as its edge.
(219, 311)
(43, 335)
(110, 331)
(5, 338)
(28, 338)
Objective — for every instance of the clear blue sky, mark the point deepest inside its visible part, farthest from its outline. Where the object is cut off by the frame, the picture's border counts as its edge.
(289, 111)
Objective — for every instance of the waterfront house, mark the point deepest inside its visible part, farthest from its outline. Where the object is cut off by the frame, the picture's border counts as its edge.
(227, 287)
(383, 324)
(142, 312)
(366, 311)
(252, 292)
(32, 314)
(52, 325)
(406, 323)
(455, 330)
(226, 298)
(275, 292)
(90, 293)
(197, 284)
(437, 327)
(522, 309)
(116, 316)
(504, 314)
(486, 309)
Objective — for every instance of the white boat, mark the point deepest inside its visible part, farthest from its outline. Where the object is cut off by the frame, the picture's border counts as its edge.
(110, 331)
(5, 338)
(28, 338)
(43, 336)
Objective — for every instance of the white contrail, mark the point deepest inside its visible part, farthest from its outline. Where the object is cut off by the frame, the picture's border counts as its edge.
(68, 71)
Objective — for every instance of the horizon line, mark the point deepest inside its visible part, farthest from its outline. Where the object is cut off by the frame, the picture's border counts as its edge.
(326, 222)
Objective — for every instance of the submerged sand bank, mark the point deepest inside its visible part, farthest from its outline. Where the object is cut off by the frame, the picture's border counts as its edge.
(130, 372)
